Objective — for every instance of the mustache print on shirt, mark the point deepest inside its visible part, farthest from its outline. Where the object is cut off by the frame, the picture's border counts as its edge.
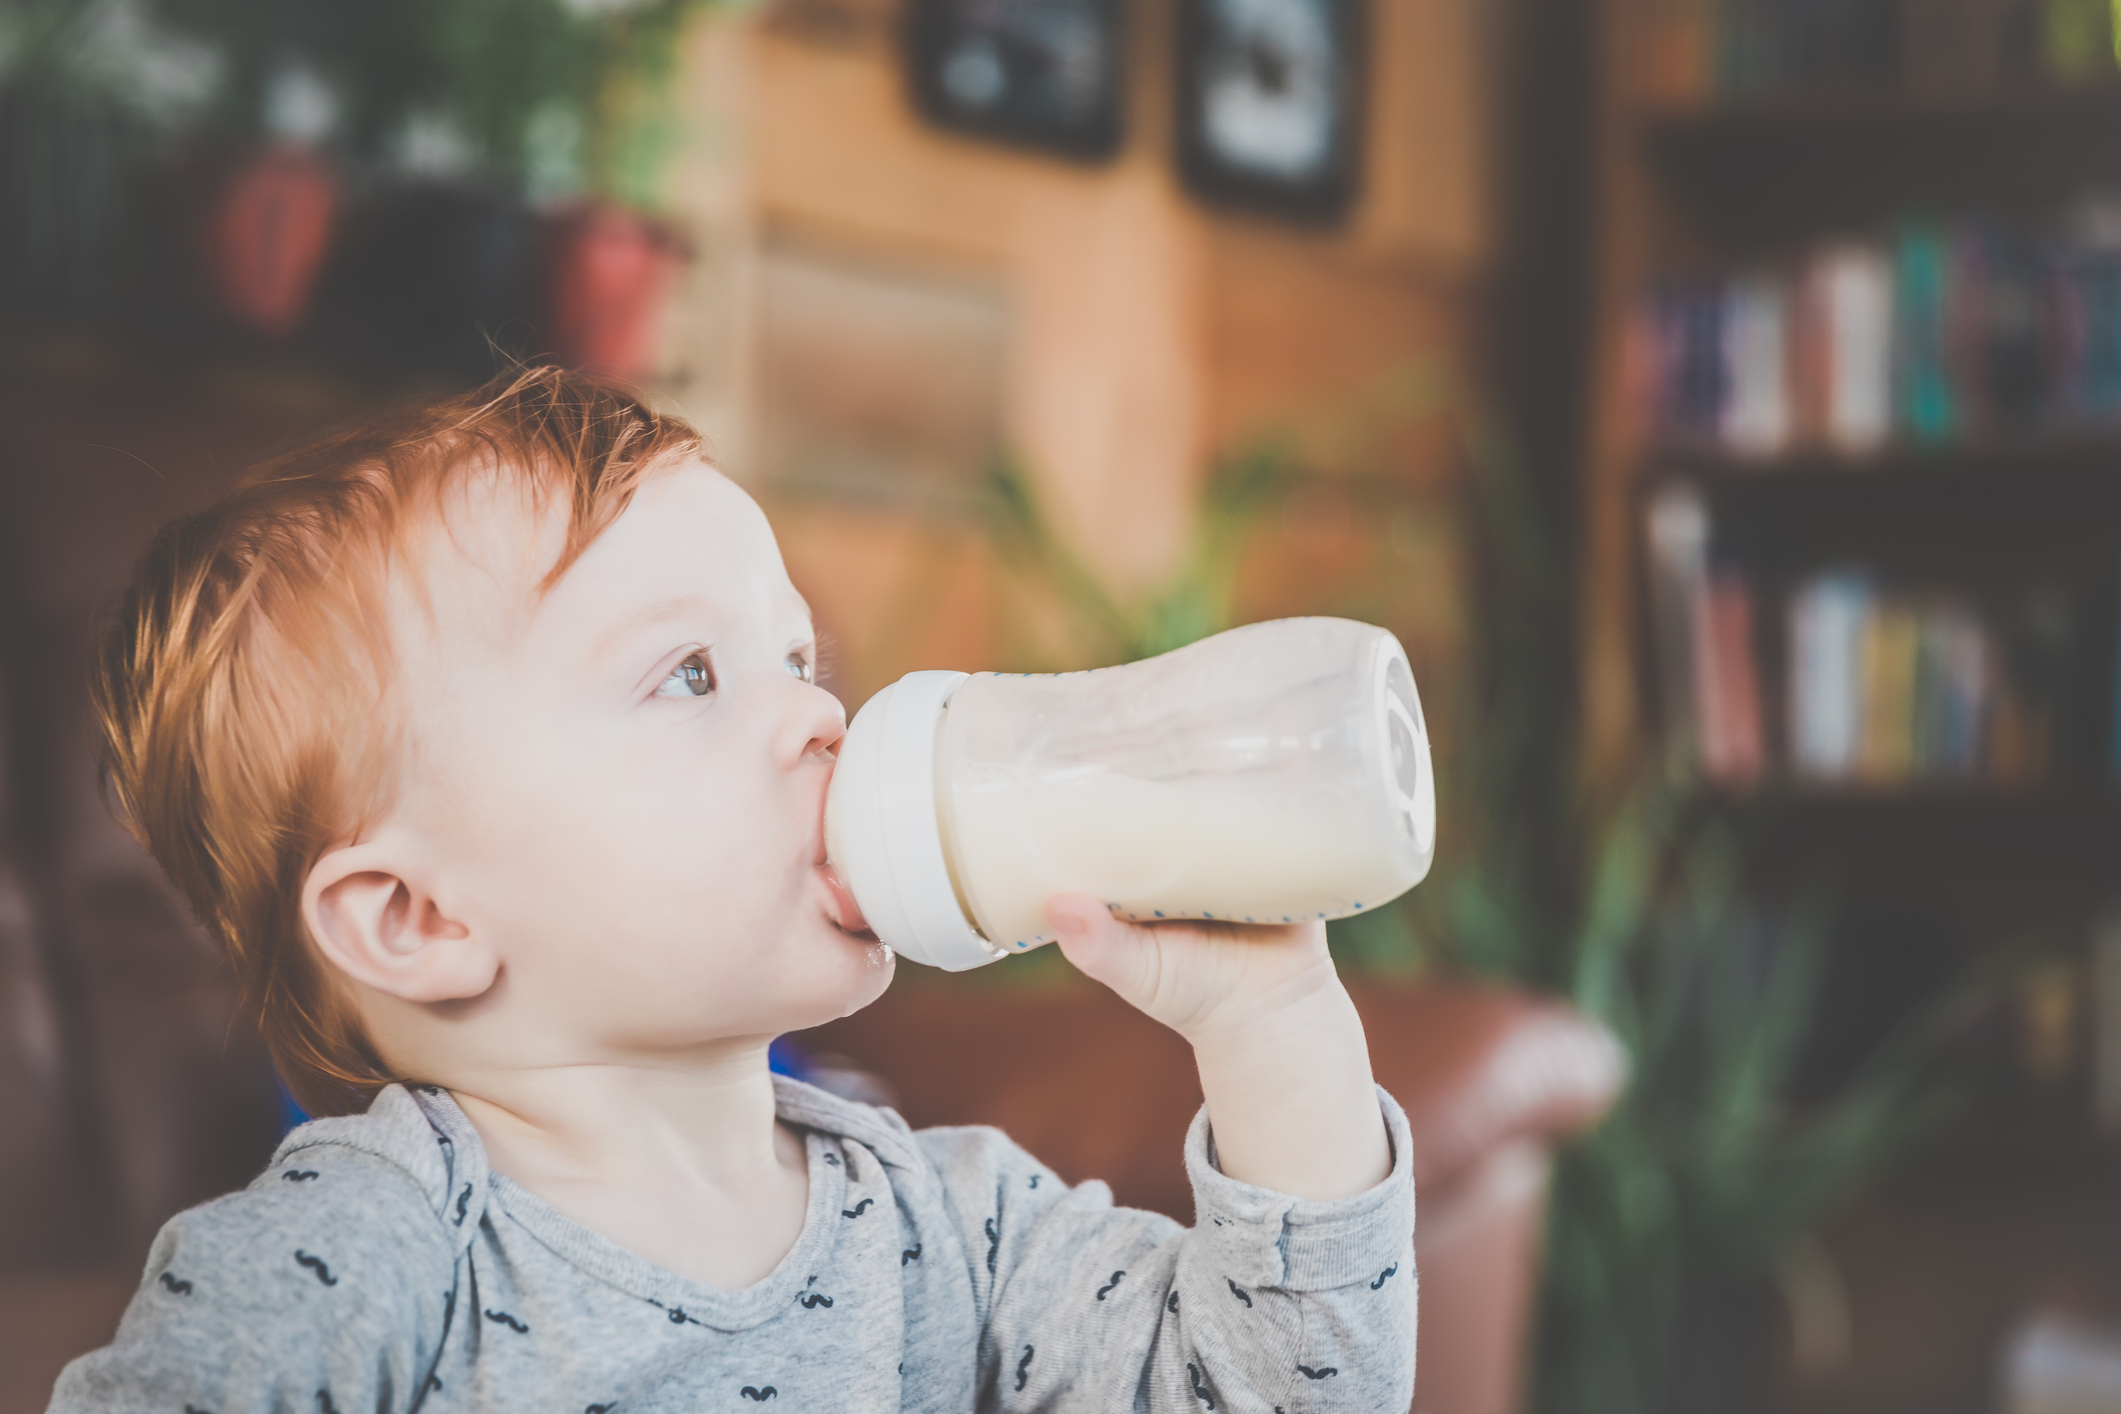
(315, 1264)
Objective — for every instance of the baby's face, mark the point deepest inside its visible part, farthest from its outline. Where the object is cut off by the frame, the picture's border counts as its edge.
(623, 782)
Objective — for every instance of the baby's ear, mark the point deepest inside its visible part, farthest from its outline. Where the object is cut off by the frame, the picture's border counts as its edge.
(376, 923)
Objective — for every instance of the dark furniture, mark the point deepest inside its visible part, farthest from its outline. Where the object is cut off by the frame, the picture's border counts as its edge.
(127, 1090)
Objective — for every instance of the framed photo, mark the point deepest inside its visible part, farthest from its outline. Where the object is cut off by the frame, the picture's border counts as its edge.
(1270, 103)
(1045, 73)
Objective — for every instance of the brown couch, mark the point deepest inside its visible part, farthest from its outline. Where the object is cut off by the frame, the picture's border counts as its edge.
(126, 1093)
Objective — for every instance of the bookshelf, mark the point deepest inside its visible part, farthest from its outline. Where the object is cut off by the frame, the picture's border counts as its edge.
(1990, 535)
(1702, 190)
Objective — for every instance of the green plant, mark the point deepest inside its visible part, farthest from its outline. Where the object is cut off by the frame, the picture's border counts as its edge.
(1498, 786)
(526, 73)
(86, 107)
(541, 95)
(1712, 1170)
(1674, 1216)
(1191, 604)
(1241, 492)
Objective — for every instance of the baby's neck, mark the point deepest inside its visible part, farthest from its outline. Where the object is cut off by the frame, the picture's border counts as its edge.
(681, 1163)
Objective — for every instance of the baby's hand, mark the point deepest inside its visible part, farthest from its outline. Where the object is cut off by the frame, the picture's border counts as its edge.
(1279, 1045)
(1206, 981)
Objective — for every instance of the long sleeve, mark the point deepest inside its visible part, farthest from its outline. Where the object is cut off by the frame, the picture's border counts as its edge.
(1269, 1302)
(326, 1288)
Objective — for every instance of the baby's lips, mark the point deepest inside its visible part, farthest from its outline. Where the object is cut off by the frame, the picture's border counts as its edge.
(850, 913)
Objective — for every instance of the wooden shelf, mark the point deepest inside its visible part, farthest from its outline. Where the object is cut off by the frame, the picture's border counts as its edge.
(1754, 176)
(2006, 512)
(2075, 461)
(2083, 803)
(2084, 810)
(1775, 123)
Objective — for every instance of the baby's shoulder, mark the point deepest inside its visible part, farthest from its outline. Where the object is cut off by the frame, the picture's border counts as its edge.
(973, 1178)
(876, 1128)
(403, 1152)
(333, 1272)
(358, 1194)
(945, 1155)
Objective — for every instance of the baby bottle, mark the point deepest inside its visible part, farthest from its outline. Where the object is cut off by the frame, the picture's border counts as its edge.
(1274, 773)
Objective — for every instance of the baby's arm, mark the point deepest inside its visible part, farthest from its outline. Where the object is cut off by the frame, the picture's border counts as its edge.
(1283, 1063)
(1268, 1302)
(1296, 1287)
(327, 1285)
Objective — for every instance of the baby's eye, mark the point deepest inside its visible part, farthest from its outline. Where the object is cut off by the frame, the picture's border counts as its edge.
(692, 678)
(801, 668)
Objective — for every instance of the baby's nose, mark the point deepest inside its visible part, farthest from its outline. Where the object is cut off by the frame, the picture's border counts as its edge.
(815, 723)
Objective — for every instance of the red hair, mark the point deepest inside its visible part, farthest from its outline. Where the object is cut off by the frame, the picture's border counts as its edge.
(242, 682)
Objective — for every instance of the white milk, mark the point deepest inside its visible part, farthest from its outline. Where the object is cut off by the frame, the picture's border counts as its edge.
(1151, 850)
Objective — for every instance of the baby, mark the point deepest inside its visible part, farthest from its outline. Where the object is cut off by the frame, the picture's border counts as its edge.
(486, 737)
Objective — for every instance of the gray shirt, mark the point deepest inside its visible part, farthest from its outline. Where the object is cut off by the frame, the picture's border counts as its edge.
(380, 1265)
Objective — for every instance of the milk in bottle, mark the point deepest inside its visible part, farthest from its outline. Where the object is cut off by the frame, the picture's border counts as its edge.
(1272, 773)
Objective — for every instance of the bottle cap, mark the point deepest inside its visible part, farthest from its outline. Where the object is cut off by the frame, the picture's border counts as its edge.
(1410, 778)
(885, 834)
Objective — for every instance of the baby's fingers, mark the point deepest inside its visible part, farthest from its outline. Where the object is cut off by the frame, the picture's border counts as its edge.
(1180, 973)
(1105, 949)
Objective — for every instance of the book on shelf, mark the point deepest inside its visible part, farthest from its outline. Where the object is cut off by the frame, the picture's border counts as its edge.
(1843, 351)
(1678, 40)
(1733, 749)
(2113, 730)
(2090, 316)
(1951, 46)
(2034, 637)
(1678, 545)
(1826, 656)
(1709, 688)
(1702, 50)
(2106, 1019)
(1755, 417)
(1924, 286)
(1880, 687)
(1887, 697)
(2016, 328)
(1951, 332)
(1687, 375)
(1889, 688)
(2077, 39)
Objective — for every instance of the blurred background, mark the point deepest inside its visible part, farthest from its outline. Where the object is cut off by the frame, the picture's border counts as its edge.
(1720, 398)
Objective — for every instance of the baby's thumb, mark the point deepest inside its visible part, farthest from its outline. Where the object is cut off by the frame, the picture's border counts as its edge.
(1102, 947)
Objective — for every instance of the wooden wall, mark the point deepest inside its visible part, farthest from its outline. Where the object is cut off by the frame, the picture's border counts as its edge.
(1147, 332)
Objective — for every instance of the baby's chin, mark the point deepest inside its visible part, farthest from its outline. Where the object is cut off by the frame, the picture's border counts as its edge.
(882, 964)
(836, 976)
(870, 967)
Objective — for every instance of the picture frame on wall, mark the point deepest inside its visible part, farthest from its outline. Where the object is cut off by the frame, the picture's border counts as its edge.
(1048, 74)
(1270, 103)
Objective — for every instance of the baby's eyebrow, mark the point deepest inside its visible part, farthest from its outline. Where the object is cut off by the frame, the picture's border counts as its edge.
(660, 611)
